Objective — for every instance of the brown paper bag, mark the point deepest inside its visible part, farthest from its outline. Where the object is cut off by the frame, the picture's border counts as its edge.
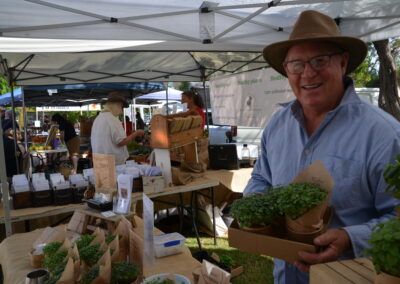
(136, 247)
(68, 276)
(105, 269)
(212, 274)
(123, 242)
(104, 171)
(180, 177)
(312, 221)
(77, 263)
(114, 246)
(100, 237)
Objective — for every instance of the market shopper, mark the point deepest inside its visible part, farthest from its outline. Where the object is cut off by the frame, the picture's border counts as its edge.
(195, 104)
(69, 137)
(7, 123)
(327, 122)
(108, 135)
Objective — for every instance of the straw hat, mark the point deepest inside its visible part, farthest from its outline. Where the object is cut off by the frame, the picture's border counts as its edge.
(314, 26)
(115, 97)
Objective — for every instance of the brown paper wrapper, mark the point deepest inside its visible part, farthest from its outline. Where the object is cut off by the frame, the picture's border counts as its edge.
(36, 260)
(105, 269)
(124, 241)
(68, 276)
(310, 222)
(114, 245)
(100, 237)
(136, 247)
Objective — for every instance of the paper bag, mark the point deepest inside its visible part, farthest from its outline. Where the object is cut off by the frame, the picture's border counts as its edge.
(68, 276)
(212, 274)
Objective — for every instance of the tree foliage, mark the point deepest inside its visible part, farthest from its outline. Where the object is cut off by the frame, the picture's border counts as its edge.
(4, 86)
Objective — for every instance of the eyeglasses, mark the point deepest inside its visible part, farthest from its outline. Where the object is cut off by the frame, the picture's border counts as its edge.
(317, 63)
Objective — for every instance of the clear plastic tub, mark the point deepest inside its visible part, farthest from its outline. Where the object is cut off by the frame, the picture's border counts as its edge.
(168, 244)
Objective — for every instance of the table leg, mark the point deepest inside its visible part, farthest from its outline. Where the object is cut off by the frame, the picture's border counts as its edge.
(192, 197)
(213, 214)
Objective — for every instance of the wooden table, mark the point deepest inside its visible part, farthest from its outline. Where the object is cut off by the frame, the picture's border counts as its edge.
(194, 188)
(354, 271)
(15, 261)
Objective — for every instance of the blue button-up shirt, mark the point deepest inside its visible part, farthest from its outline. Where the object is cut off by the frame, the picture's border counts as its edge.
(355, 141)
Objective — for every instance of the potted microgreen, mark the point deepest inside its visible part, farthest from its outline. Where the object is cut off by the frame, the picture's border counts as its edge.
(385, 251)
(256, 212)
(303, 205)
(392, 178)
(124, 273)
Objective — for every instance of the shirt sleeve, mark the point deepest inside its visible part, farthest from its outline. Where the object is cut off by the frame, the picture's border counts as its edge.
(261, 175)
(117, 131)
(384, 202)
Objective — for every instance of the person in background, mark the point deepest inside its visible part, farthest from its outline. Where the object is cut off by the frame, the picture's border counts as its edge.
(329, 122)
(46, 123)
(129, 125)
(108, 135)
(10, 152)
(2, 113)
(7, 123)
(69, 137)
(139, 121)
(194, 103)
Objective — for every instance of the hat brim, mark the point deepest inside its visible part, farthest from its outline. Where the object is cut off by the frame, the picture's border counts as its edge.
(275, 53)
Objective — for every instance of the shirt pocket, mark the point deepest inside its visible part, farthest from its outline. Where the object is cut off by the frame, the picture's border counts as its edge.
(347, 176)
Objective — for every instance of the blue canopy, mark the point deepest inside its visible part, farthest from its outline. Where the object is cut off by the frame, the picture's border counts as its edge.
(77, 94)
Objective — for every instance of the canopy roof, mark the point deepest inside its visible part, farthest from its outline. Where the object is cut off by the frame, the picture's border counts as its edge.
(192, 40)
(77, 95)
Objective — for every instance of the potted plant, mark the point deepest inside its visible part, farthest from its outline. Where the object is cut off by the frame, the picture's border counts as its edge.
(303, 205)
(385, 251)
(124, 273)
(392, 178)
(255, 212)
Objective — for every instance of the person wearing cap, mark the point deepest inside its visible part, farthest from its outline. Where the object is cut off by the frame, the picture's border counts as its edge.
(327, 121)
(108, 136)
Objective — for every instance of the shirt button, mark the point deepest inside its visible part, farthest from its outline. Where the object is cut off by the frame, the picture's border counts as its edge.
(307, 151)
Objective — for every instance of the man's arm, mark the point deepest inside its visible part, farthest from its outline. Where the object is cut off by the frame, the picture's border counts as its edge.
(261, 175)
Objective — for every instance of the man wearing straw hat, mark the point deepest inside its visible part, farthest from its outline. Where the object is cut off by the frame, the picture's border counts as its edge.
(328, 122)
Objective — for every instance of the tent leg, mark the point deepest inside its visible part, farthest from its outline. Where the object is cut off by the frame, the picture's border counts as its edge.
(4, 186)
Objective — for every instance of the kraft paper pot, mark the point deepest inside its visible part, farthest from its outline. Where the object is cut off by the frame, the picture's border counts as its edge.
(384, 278)
(266, 230)
(304, 237)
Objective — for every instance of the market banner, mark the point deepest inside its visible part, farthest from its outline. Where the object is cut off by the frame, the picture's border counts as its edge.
(248, 99)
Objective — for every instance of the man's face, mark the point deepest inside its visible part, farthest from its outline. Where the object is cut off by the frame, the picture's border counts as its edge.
(318, 90)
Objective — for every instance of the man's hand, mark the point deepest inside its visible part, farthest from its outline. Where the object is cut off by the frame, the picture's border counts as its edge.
(335, 243)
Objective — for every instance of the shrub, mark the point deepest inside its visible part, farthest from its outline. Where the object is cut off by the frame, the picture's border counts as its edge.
(392, 177)
(385, 247)
(296, 199)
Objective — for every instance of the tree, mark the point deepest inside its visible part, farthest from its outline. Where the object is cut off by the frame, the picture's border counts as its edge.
(366, 74)
(4, 87)
(388, 85)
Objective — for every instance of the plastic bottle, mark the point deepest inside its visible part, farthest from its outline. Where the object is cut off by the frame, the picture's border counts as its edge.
(245, 157)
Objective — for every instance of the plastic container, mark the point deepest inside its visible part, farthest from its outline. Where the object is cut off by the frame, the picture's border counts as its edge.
(245, 157)
(168, 244)
(179, 279)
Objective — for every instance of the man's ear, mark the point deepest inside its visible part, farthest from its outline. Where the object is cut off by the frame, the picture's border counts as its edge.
(344, 61)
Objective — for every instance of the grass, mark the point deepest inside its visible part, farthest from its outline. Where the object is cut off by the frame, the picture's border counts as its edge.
(256, 268)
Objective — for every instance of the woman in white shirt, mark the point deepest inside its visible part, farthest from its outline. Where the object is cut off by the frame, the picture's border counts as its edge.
(108, 136)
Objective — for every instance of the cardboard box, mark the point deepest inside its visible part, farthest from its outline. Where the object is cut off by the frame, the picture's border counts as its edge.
(153, 184)
(276, 245)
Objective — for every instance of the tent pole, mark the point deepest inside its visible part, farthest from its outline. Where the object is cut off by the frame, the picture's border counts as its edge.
(25, 120)
(166, 93)
(203, 78)
(13, 124)
(4, 186)
(124, 120)
(134, 112)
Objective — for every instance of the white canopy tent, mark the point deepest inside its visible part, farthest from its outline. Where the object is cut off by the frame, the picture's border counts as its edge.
(190, 40)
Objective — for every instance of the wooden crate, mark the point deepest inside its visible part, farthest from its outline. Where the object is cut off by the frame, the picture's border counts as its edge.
(161, 137)
(354, 271)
